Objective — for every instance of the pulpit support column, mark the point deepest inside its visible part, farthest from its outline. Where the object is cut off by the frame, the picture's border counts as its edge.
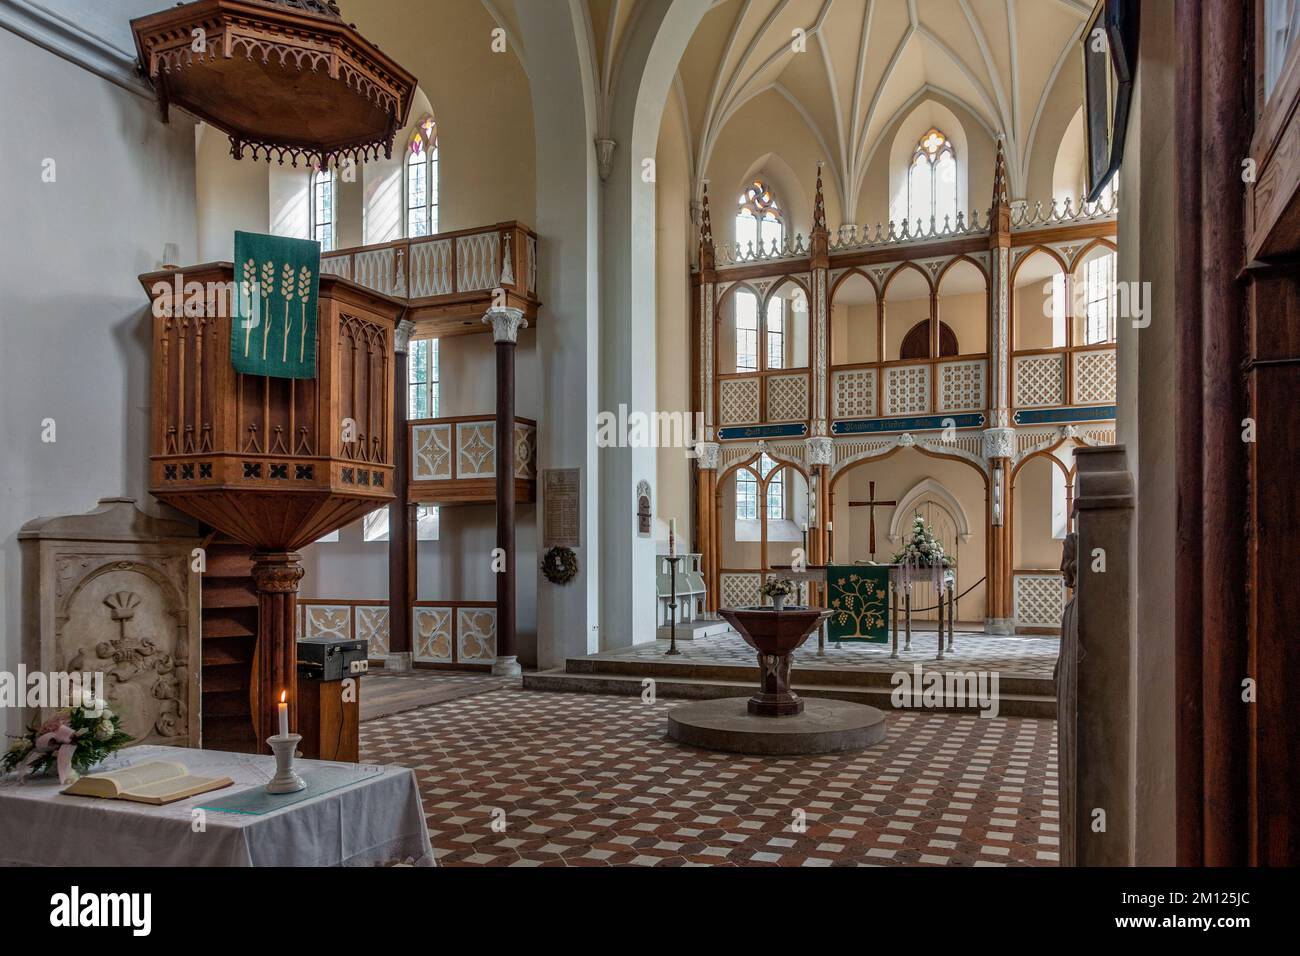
(275, 662)
(401, 530)
(506, 324)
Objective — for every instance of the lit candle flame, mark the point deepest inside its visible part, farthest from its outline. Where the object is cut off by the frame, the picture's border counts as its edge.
(282, 695)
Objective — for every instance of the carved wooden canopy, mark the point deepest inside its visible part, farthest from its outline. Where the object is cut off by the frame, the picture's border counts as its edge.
(286, 79)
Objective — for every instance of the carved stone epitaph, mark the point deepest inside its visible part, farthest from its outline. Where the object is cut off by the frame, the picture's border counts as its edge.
(112, 592)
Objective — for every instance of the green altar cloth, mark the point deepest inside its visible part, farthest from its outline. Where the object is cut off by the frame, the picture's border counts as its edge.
(858, 596)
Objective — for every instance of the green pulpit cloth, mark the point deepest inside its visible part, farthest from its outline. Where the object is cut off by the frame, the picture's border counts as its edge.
(859, 603)
(273, 331)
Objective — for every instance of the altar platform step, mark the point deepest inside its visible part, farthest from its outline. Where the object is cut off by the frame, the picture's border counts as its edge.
(694, 630)
(1011, 703)
(722, 665)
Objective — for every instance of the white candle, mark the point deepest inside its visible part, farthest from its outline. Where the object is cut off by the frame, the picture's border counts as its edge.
(830, 526)
(672, 537)
(805, 527)
(284, 714)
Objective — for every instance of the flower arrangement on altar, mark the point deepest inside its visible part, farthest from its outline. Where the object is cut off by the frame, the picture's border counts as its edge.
(922, 549)
(71, 742)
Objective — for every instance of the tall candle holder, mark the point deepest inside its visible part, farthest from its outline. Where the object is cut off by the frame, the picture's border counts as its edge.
(673, 560)
(285, 780)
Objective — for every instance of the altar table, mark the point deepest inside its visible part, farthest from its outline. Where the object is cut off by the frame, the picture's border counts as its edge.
(378, 819)
(901, 578)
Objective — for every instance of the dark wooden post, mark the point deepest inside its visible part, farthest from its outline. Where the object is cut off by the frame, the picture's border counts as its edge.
(506, 324)
(401, 531)
(275, 664)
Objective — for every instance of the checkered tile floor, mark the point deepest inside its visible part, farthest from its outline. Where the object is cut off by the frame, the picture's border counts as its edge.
(588, 780)
(1018, 656)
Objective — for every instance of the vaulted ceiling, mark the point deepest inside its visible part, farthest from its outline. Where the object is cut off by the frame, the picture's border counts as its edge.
(858, 64)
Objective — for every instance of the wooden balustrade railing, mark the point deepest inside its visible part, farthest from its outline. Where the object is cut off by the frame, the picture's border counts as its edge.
(453, 460)
(451, 278)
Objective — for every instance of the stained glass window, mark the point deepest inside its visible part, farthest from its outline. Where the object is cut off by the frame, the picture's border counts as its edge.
(758, 219)
(932, 184)
(422, 181)
(322, 208)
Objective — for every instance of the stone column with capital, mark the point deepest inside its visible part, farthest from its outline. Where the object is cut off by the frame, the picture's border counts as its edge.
(402, 543)
(821, 455)
(506, 323)
(999, 452)
(275, 661)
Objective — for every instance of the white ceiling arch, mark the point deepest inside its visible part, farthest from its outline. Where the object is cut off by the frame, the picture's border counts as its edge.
(850, 68)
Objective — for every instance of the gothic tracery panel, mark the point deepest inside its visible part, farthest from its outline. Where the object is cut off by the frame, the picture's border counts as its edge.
(371, 626)
(432, 631)
(327, 620)
(476, 634)
(1094, 377)
(477, 261)
(855, 393)
(430, 269)
(737, 401)
(961, 386)
(1039, 599)
(787, 398)
(432, 452)
(475, 449)
(907, 390)
(740, 589)
(1040, 380)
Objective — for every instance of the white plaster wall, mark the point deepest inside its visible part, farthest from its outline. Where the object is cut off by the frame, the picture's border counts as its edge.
(74, 326)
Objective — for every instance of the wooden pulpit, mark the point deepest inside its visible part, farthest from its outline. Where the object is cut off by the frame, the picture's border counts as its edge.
(274, 463)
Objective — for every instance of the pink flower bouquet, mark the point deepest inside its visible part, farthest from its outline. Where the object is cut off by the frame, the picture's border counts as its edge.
(71, 742)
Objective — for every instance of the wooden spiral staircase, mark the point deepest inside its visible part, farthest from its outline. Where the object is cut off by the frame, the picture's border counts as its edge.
(229, 638)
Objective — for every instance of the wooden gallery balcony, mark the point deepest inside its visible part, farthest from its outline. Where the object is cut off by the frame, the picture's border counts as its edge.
(453, 460)
(451, 279)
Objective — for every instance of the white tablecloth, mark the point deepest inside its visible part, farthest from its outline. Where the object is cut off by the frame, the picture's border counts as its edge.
(376, 820)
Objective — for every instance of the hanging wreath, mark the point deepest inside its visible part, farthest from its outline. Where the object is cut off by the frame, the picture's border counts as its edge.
(560, 565)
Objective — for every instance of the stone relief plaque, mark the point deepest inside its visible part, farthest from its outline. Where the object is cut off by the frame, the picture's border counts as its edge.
(562, 508)
(112, 592)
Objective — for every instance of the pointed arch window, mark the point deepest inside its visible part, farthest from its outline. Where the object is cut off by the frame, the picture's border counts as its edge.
(422, 180)
(747, 496)
(932, 183)
(759, 219)
(322, 208)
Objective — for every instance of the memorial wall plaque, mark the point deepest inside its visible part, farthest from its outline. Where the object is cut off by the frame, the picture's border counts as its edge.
(562, 504)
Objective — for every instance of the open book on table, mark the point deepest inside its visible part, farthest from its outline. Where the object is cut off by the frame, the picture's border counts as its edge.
(156, 782)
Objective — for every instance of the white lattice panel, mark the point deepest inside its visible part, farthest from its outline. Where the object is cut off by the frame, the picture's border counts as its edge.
(327, 620)
(854, 393)
(432, 445)
(431, 631)
(372, 627)
(478, 258)
(1039, 600)
(737, 401)
(961, 386)
(476, 634)
(429, 269)
(739, 590)
(1040, 380)
(907, 390)
(476, 446)
(787, 398)
(1094, 377)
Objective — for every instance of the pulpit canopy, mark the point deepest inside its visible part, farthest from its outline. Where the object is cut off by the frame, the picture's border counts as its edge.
(286, 79)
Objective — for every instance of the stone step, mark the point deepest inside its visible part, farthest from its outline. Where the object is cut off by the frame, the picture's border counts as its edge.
(1010, 703)
(696, 629)
(802, 674)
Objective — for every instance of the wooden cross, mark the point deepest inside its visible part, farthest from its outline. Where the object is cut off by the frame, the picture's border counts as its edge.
(873, 504)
